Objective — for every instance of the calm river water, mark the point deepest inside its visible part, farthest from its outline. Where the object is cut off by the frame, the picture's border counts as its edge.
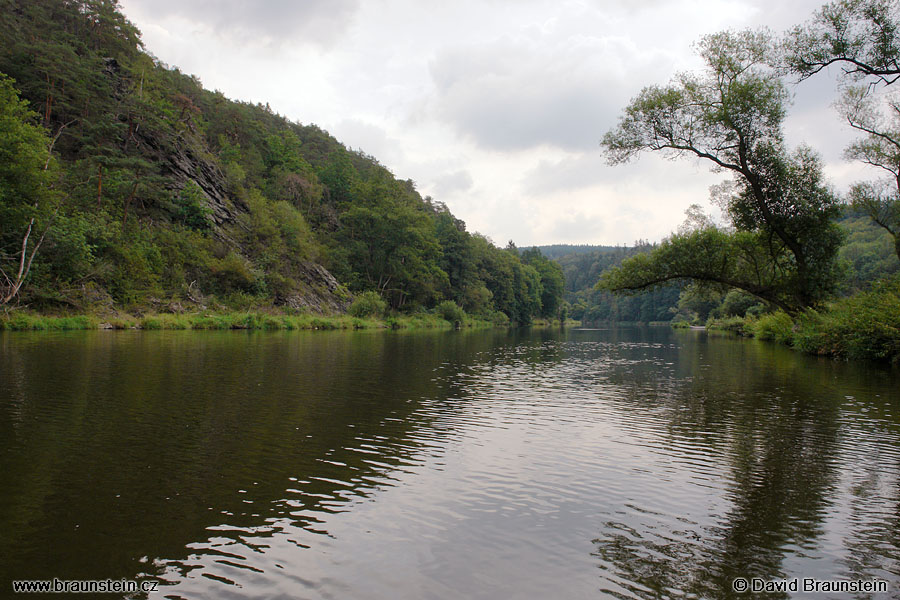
(623, 463)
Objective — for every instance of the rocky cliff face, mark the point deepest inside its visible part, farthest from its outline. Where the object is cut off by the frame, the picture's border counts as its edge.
(323, 295)
(320, 292)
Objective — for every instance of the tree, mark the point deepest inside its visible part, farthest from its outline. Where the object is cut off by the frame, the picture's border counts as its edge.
(880, 147)
(861, 35)
(26, 196)
(553, 281)
(783, 244)
(864, 37)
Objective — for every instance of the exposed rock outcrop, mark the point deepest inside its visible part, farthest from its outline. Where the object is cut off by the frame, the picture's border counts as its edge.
(322, 293)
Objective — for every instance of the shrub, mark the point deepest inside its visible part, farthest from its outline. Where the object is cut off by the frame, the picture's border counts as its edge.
(233, 272)
(867, 325)
(776, 326)
(449, 310)
(191, 207)
(499, 318)
(679, 322)
(734, 323)
(368, 304)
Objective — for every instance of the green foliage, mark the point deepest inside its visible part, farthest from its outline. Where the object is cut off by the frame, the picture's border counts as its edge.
(863, 326)
(552, 281)
(868, 252)
(777, 326)
(737, 303)
(145, 154)
(861, 35)
(450, 311)
(697, 302)
(880, 199)
(233, 272)
(733, 324)
(27, 201)
(191, 208)
(679, 322)
(583, 267)
(368, 304)
(27, 322)
(499, 319)
(784, 245)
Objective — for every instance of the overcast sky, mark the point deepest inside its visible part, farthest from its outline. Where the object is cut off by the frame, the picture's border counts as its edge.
(495, 107)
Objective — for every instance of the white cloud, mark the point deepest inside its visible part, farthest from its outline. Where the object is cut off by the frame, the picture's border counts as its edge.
(494, 107)
(272, 22)
(452, 183)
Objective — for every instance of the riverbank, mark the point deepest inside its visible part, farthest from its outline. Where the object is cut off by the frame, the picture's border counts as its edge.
(249, 320)
(24, 321)
(863, 326)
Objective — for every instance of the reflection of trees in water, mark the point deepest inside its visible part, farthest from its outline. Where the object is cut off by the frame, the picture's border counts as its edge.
(775, 421)
(872, 545)
(166, 444)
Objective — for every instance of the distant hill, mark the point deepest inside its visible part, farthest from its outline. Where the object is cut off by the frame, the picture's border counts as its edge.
(554, 251)
(867, 255)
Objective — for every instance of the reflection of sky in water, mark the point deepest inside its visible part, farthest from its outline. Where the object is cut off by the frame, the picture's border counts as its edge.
(635, 464)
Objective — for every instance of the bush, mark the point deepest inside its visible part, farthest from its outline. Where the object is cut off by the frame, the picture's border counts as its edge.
(499, 318)
(866, 325)
(737, 303)
(777, 326)
(735, 324)
(368, 304)
(814, 334)
(233, 272)
(449, 310)
(679, 322)
(191, 208)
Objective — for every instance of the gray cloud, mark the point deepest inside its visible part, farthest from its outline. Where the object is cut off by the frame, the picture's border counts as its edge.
(367, 137)
(270, 21)
(578, 227)
(509, 98)
(554, 85)
(451, 183)
(572, 173)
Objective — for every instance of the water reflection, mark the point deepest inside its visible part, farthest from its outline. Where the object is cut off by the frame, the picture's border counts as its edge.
(439, 465)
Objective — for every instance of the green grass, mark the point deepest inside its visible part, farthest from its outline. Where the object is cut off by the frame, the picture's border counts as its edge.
(28, 322)
(23, 321)
(736, 325)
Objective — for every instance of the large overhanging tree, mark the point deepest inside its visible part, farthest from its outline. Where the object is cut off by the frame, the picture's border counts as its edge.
(861, 36)
(880, 147)
(783, 242)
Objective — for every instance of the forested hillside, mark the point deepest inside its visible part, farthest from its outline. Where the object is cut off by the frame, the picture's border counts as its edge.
(132, 186)
(866, 255)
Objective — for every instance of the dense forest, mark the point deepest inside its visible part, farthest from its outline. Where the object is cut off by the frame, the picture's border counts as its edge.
(866, 256)
(124, 184)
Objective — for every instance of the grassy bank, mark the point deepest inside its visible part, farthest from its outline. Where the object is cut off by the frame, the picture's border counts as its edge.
(864, 326)
(25, 321)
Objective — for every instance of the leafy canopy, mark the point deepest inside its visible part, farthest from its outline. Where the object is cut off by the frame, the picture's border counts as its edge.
(861, 35)
(784, 243)
(879, 147)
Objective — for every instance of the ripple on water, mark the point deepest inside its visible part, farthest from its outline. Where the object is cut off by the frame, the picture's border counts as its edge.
(634, 464)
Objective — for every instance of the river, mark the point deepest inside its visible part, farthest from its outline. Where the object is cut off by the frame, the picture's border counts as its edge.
(620, 463)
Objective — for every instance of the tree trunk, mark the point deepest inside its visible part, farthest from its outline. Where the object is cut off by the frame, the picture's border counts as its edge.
(99, 185)
(128, 203)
